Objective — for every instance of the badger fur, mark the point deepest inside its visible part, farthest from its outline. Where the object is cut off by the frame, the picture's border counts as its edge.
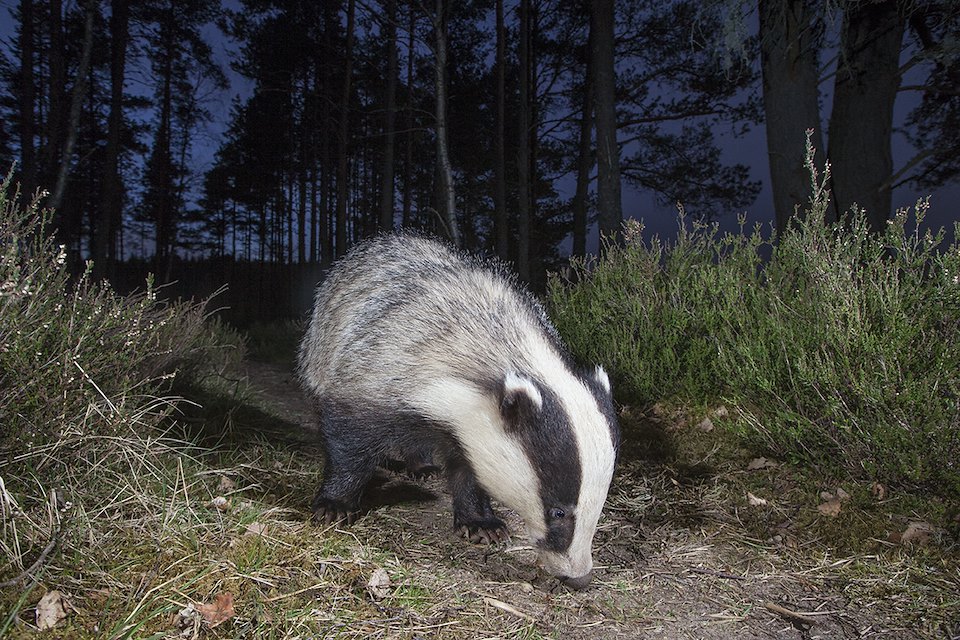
(419, 353)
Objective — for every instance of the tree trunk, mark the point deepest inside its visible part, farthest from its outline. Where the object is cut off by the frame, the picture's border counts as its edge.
(28, 158)
(501, 224)
(344, 137)
(111, 204)
(387, 189)
(330, 19)
(861, 122)
(584, 159)
(523, 152)
(302, 203)
(162, 173)
(408, 155)
(57, 100)
(447, 201)
(788, 60)
(76, 102)
(608, 153)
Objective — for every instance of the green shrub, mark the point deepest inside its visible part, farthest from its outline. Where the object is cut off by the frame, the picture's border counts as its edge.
(75, 350)
(842, 349)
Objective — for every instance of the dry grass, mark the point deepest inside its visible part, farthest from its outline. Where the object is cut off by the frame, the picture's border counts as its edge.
(141, 546)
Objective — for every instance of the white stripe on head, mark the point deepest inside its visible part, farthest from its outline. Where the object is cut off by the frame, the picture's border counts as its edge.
(498, 460)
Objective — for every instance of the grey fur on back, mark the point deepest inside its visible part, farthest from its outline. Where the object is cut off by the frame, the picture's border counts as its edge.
(471, 322)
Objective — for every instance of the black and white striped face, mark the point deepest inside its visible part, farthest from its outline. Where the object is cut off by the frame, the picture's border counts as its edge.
(546, 450)
(569, 434)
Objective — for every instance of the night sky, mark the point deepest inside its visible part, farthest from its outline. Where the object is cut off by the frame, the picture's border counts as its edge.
(749, 149)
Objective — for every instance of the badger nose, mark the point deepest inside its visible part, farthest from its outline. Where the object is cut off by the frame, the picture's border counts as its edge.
(578, 584)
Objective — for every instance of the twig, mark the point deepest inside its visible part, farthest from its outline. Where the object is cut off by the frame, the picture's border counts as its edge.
(794, 618)
(503, 606)
(717, 574)
(28, 573)
(294, 593)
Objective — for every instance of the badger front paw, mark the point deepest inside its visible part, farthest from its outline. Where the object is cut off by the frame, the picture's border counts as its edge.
(489, 531)
(327, 511)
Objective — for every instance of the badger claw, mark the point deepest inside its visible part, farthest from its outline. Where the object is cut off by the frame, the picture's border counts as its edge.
(327, 512)
(485, 532)
(422, 472)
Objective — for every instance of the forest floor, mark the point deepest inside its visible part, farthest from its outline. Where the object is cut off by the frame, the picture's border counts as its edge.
(696, 541)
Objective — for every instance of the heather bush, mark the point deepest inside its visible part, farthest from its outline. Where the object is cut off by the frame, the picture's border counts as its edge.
(836, 346)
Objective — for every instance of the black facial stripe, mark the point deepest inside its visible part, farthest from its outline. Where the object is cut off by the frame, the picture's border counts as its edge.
(551, 447)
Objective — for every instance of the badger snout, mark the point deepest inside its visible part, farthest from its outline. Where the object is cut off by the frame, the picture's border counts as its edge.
(573, 572)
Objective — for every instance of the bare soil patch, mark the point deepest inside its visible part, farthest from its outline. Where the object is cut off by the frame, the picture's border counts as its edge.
(681, 552)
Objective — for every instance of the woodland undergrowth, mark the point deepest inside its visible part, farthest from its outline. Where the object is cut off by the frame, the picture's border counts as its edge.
(836, 347)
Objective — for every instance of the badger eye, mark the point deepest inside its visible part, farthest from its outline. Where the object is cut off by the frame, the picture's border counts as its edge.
(557, 513)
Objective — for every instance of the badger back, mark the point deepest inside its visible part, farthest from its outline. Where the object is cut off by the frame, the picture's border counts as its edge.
(401, 309)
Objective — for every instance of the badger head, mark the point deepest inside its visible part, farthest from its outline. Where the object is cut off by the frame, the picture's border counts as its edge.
(544, 446)
(567, 429)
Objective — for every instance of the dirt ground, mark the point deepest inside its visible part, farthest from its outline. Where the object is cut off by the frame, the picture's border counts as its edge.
(674, 559)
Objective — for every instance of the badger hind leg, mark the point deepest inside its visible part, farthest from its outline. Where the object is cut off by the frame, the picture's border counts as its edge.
(473, 517)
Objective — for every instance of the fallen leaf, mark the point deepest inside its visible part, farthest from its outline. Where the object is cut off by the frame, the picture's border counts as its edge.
(226, 484)
(51, 609)
(842, 495)
(379, 584)
(830, 508)
(755, 501)
(256, 529)
(826, 495)
(706, 425)
(761, 463)
(721, 412)
(917, 533)
(218, 611)
(220, 503)
(878, 491)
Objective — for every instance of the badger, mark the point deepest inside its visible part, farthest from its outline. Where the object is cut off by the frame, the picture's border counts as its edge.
(419, 352)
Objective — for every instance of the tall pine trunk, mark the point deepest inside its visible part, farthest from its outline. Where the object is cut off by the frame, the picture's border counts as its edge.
(523, 152)
(56, 123)
(788, 60)
(447, 195)
(584, 158)
(608, 153)
(501, 223)
(387, 189)
(109, 223)
(76, 103)
(28, 157)
(343, 187)
(861, 122)
(330, 19)
(407, 196)
(161, 171)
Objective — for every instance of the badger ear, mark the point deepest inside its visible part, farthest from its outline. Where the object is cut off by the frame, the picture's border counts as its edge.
(600, 376)
(519, 398)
